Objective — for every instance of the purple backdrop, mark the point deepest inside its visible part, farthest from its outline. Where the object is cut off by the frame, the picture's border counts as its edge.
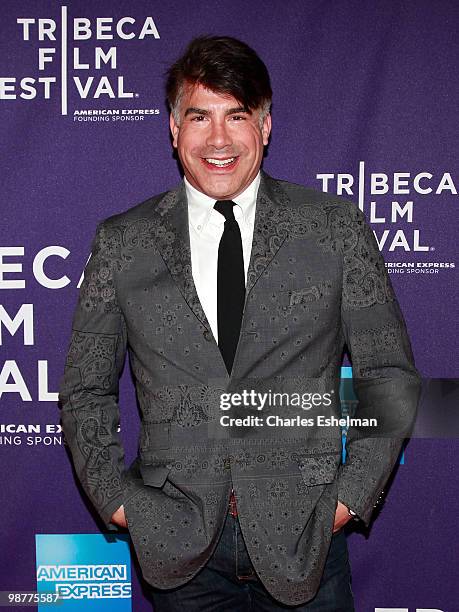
(360, 89)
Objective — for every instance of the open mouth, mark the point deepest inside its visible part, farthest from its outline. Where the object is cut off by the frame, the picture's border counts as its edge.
(214, 163)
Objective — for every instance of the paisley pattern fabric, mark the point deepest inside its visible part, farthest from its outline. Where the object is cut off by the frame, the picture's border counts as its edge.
(89, 420)
(316, 282)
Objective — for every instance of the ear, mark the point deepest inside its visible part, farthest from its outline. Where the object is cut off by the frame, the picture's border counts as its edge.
(266, 128)
(174, 127)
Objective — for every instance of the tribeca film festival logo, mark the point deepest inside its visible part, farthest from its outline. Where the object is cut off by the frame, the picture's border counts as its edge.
(53, 76)
(392, 211)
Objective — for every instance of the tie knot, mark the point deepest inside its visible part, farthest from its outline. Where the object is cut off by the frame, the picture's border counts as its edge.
(225, 207)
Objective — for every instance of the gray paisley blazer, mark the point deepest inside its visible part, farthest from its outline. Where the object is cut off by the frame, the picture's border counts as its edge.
(316, 282)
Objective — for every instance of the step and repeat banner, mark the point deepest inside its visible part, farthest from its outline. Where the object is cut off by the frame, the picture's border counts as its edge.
(364, 105)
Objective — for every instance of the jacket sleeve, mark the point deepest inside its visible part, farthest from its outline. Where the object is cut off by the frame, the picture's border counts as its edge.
(386, 382)
(88, 392)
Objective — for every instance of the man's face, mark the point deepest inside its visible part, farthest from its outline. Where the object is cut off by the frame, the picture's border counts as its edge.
(219, 143)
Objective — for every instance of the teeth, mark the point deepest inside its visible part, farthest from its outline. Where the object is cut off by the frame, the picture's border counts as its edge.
(220, 162)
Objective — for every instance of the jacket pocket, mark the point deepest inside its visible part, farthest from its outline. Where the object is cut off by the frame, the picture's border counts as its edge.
(154, 475)
(155, 437)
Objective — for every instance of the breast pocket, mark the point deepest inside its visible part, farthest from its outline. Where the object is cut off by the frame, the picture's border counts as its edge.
(312, 305)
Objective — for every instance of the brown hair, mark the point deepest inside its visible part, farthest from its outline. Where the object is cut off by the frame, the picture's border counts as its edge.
(224, 65)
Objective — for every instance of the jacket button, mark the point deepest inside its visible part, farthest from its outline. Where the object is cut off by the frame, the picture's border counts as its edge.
(207, 335)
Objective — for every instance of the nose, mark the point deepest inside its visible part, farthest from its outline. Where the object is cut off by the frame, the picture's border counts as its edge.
(218, 135)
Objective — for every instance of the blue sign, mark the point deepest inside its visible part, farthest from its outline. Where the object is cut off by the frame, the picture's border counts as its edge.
(348, 404)
(90, 572)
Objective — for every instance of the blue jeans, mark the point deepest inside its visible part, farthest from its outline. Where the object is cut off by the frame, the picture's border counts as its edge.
(228, 582)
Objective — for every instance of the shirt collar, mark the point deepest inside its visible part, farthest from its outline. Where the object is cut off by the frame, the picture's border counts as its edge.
(201, 206)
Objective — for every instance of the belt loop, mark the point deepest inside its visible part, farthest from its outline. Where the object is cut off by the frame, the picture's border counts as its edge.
(232, 505)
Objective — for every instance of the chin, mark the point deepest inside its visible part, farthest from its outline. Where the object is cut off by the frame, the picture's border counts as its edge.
(222, 190)
(216, 189)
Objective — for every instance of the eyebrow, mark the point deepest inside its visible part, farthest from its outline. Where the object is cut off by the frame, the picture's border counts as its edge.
(193, 110)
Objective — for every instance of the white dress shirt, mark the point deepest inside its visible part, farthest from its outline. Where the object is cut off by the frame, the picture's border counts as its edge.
(206, 229)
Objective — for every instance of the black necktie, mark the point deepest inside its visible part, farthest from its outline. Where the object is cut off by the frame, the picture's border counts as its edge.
(230, 284)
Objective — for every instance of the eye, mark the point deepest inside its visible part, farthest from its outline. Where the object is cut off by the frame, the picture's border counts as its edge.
(198, 118)
(238, 117)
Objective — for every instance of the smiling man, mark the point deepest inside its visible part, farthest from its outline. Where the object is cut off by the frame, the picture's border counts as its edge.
(235, 281)
(220, 142)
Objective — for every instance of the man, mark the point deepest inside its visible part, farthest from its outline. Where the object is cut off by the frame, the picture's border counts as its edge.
(233, 286)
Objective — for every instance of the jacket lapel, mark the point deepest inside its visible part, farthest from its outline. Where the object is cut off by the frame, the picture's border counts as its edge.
(272, 217)
(173, 242)
(170, 217)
